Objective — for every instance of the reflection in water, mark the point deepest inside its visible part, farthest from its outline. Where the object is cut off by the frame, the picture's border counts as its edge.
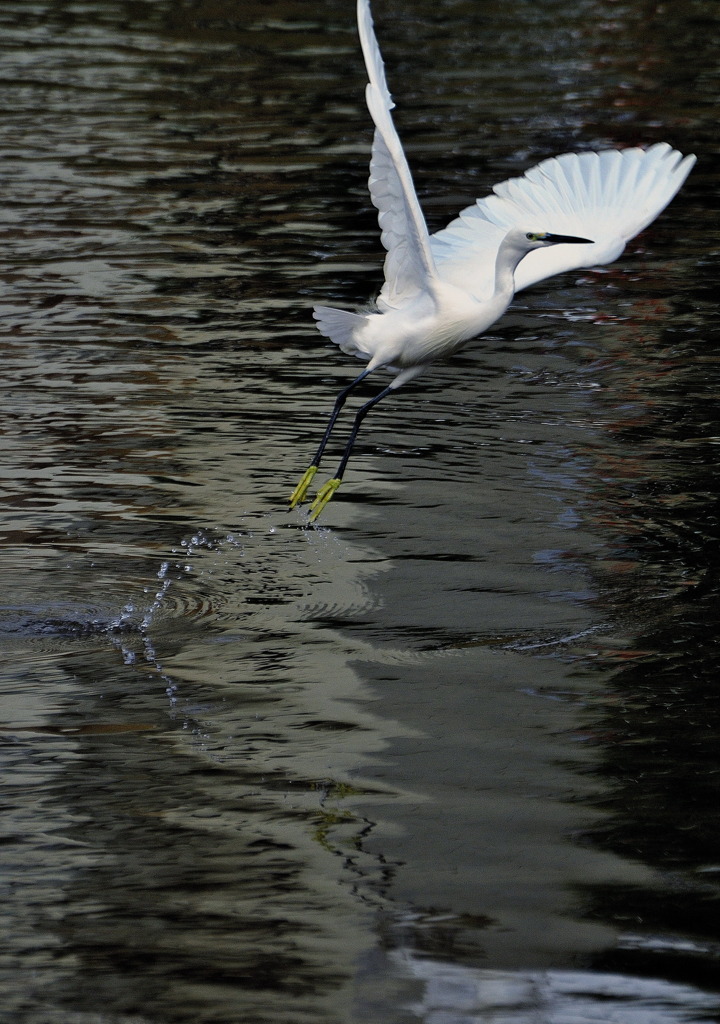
(655, 496)
(455, 755)
(431, 990)
(194, 842)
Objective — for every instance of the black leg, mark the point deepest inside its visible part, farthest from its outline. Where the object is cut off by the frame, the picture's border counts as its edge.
(328, 489)
(339, 403)
(359, 417)
(300, 491)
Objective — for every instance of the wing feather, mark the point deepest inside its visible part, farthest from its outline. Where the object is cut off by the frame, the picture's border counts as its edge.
(609, 196)
(409, 264)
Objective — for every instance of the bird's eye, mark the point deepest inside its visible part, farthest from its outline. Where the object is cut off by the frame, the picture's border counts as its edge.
(532, 237)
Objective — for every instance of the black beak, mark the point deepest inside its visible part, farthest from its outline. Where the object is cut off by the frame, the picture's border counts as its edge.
(567, 238)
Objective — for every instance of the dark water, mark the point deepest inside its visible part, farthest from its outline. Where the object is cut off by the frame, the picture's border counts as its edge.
(452, 756)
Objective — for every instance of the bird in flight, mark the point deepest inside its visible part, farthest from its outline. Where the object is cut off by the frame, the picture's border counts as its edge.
(441, 290)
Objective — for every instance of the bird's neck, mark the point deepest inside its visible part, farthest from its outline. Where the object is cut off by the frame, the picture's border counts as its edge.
(506, 263)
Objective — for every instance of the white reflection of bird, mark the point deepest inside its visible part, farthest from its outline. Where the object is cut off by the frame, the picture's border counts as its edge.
(442, 290)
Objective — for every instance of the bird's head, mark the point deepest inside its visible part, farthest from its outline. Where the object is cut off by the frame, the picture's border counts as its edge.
(520, 242)
(529, 240)
(517, 243)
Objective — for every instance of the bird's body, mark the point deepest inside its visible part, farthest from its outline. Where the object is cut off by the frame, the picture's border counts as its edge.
(425, 329)
(428, 324)
(442, 290)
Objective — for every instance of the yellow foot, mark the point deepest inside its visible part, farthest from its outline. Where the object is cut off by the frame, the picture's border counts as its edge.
(301, 490)
(323, 497)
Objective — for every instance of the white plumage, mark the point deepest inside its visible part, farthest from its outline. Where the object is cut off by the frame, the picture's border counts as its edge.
(609, 197)
(571, 211)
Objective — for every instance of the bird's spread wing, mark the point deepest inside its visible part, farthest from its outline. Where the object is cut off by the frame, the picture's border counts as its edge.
(409, 264)
(609, 197)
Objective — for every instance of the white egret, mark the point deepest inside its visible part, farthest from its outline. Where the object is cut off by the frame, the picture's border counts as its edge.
(571, 211)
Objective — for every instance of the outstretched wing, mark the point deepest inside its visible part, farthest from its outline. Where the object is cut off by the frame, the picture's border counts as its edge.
(609, 197)
(409, 264)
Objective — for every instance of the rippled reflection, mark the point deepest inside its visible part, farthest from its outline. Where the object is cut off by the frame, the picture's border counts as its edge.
(451, 755)
(432, 990)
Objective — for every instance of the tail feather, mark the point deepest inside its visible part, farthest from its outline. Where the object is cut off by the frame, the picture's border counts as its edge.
(340, 326)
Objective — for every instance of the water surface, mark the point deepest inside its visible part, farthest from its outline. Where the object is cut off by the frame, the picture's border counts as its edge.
(452, 754)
